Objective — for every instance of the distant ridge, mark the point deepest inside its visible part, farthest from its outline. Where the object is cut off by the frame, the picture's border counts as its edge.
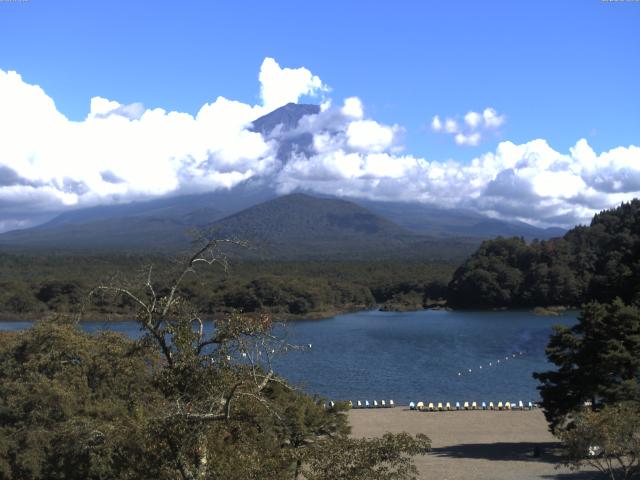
(295, 226)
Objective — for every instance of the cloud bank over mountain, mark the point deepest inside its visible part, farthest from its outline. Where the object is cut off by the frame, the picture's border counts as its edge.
(120, 153)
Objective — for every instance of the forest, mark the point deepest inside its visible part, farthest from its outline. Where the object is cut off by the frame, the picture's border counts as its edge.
(595, 262)
(33, 285)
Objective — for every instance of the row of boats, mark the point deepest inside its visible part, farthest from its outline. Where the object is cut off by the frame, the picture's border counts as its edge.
(374, 404)
(440, 407)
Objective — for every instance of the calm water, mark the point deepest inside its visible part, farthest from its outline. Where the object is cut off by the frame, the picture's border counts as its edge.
(410, 356)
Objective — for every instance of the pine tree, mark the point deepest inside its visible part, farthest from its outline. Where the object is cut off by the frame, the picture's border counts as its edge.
(598, 361)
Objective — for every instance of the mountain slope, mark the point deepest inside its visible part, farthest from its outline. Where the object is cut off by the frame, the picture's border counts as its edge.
(295, 226)
(448, 222)
(302, 226)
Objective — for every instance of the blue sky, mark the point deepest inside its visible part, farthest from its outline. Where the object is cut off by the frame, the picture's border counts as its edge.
(558, 71)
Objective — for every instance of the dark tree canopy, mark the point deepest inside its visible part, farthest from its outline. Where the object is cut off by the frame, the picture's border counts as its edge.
(599, 262)
(597, 360)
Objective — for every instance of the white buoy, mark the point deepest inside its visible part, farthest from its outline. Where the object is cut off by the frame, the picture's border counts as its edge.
(459, 373)
(309, 345)
(469, 370)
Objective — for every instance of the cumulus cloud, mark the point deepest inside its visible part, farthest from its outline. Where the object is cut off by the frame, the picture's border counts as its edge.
(471, 129)
(120, 153)
(280, 86)
(530, 182)
(126, 152)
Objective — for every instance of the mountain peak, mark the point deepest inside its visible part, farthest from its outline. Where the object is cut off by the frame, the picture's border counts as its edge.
(287, 117)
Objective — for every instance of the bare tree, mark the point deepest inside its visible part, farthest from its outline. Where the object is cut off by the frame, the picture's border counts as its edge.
(209, 364)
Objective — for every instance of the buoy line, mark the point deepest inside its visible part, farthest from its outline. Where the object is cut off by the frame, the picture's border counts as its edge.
(491, 364)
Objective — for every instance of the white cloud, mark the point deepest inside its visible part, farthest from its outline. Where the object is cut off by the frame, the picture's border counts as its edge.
(280, 86)
(353, 108)
(491, 118)
(48, 162)
(125, 152)
(471, 139)
(450, 125)
(369, 135)
(471, 131)
(530, 182)
(436, 124)
(473, 119)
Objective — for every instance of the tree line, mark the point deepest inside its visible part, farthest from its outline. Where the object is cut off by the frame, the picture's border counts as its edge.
(31, 285)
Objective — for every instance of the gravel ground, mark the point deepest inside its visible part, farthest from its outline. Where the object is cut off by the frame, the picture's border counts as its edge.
(474, 445)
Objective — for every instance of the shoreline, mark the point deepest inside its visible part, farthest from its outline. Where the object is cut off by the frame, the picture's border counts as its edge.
(312, 316)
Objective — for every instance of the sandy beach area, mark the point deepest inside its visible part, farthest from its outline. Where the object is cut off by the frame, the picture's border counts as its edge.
(474, 445)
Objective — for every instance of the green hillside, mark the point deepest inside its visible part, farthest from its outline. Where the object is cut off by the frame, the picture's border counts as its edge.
(600, 261)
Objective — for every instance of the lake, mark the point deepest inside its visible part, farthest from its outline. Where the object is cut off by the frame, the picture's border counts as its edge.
(410, 356)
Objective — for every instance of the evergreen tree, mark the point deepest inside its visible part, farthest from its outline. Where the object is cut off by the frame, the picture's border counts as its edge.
(598, 361)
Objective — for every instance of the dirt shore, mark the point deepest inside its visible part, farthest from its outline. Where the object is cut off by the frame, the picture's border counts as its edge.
(474, 445)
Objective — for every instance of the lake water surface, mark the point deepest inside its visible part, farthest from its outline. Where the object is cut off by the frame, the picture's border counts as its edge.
(410, 356)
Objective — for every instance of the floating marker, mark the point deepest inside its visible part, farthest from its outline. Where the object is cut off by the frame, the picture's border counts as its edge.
(459, 373)
(469, 370)
(309, 345)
